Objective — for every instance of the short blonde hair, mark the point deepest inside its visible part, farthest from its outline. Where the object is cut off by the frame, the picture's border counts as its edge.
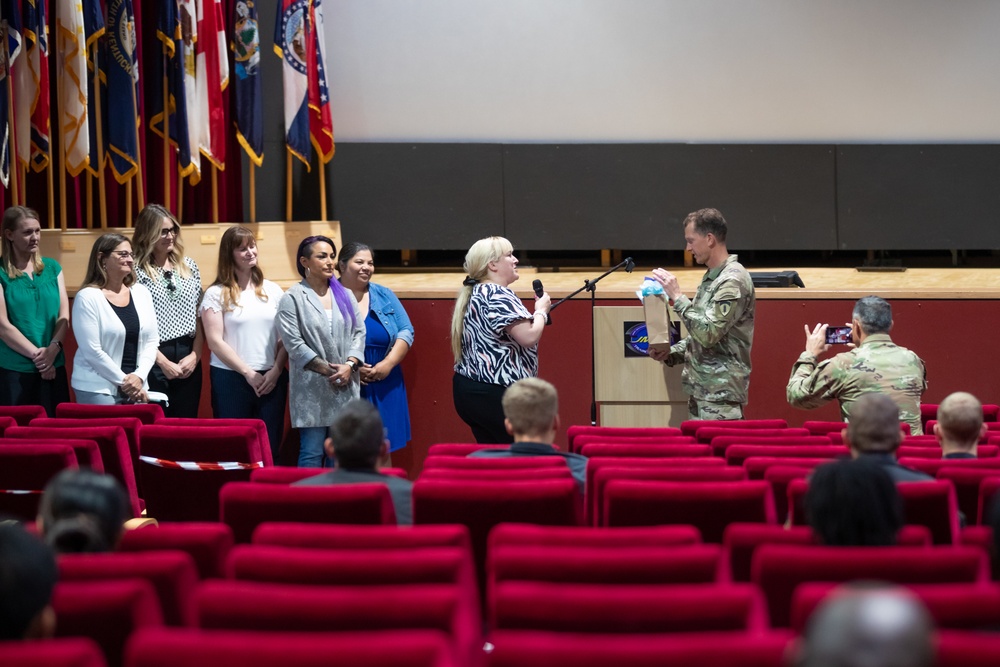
(477, 264)
(960, 416)
(531, 405)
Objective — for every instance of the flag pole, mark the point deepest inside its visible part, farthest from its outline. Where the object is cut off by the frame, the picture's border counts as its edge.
(102, 200)
(288, 186)
(128, 203)
(90, 200)
(253, 192)
(180, 196)
(215, 193)
(51, 182)
(139, 188)
(61, 154)
(322, 186)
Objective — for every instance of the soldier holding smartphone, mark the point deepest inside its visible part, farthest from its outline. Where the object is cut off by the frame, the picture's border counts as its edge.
(874, 365)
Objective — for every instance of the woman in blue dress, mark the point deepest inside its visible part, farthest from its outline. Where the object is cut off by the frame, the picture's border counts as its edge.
(389, 337)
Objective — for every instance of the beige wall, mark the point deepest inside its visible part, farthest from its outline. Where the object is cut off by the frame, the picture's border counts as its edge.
(276, 243)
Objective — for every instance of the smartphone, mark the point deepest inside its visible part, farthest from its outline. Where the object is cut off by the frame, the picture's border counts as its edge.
(838, 335)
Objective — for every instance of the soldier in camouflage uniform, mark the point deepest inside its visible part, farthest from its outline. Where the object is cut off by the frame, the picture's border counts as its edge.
(875, 365)
(719, 321)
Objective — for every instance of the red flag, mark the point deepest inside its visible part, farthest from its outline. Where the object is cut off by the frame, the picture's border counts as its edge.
(320, 116)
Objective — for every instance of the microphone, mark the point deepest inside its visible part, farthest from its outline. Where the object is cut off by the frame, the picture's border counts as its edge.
(536, 285)
(629, 265)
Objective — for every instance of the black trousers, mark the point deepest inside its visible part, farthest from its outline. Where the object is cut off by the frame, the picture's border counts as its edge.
(184, 393)
(18, 388)
(479, 406)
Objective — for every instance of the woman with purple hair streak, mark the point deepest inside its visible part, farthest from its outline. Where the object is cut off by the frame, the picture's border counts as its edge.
(324, 333)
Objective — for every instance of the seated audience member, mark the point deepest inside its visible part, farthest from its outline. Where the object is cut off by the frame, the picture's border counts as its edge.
(357, 443)
(876, 365)
(83, 512)
(27, 576)
(874, 435)
(959, 425)
(854, 504)
(869, 627)
(531, 415)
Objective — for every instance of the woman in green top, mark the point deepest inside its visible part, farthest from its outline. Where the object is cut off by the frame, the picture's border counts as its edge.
(34, 316)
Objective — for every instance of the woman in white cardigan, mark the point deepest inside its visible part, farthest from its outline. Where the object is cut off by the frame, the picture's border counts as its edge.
(115, 328)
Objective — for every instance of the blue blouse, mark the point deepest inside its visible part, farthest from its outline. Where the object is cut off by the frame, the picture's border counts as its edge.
(390, 313)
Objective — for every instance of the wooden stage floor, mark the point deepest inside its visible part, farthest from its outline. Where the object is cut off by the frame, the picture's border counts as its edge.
(821, 283)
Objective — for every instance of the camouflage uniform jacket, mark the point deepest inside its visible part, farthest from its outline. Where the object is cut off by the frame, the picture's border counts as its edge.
(716, 351)
(877, 365)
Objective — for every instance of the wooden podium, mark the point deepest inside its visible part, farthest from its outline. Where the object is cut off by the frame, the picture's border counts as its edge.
(633, 391)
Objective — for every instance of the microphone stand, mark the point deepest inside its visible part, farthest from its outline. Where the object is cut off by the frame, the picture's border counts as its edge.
(591, 286)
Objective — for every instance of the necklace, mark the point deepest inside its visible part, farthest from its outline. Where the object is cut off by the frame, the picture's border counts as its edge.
(167, 276)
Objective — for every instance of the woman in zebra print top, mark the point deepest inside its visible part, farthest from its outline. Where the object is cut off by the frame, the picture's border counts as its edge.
(493, 337)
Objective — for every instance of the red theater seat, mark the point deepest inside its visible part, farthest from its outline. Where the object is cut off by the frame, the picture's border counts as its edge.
(112, 441)
(459, 449)
(105, 611)
(710, 506)
(292, 474)
(320, 536)
(521, 648)
(707, 434)
(70, 652)
(22, 414)
(691, 426)
(88, 454)
(256, 424)
(245, 505)
(779, 568)
(930, 504)
(823, 427)
(494, 464)
(595, 493)
(481, 505)
(24, 472)
(582, 440)
(931, 466)
(953, 606)
(168, 647)
(265, 607)
(721, 443)
(658, 450)
(183, 468)
(172, 574)
(598, 462)
(742, 539)
(637, 608)
(615, 431)
(487, 475)
(737, 454)
(779, 477)
(6, 423)
(957, 648)
(988, 489)
(757, 466)
(922, 452)
(131, 426)
(207, 543)
(378, 566)
(522, 534)
(147, 412)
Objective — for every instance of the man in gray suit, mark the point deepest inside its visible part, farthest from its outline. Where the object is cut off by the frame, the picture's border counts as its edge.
(357, 442)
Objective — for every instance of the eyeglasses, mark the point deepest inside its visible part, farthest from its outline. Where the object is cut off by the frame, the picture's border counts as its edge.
(173, 231)
(124, 254)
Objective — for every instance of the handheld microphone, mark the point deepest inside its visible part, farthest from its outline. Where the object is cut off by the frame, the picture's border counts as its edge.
(629, 265)
(536, 285)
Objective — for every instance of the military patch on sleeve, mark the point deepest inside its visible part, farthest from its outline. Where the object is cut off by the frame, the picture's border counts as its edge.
(723, 308)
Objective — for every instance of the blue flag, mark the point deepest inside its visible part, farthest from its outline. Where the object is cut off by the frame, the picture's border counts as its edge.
(122, 76)
(246, 48)
(93, 29)
(11, 18)
(169, 32)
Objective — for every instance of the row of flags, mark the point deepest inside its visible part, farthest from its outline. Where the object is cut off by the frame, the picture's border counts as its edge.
(94, 52)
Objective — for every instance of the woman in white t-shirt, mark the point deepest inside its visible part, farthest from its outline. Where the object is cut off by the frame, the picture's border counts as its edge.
(248, 375)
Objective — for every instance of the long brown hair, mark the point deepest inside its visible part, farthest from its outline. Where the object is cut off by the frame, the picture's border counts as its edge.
(234, 239)
(12, 217)
(147, 234)
(97, 276)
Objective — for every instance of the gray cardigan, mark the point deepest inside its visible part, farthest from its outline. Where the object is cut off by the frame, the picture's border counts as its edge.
(307, 333)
